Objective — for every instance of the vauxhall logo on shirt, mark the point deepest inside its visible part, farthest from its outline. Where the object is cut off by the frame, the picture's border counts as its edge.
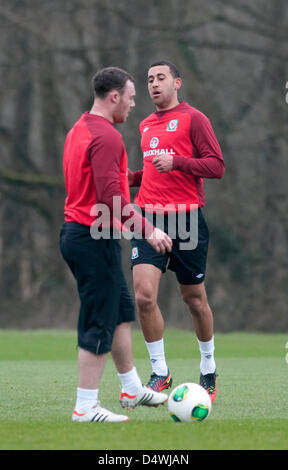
(154, 142)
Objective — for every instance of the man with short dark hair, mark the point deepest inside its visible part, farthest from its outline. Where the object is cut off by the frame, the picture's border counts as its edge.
(179, 150)
(95, 170)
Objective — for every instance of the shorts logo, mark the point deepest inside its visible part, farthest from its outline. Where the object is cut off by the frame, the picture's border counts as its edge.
(135, 253)
(172, 125)
(154, 142)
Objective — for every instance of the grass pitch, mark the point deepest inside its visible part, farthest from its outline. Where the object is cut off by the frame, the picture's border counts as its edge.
(39, 380)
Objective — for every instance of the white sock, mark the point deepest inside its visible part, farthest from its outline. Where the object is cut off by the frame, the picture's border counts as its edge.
(207, 363)
(130, 382)
(86, 398)
(157, 357)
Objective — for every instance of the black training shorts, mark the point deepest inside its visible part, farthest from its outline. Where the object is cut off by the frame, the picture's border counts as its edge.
(188, 256)
(105, 301)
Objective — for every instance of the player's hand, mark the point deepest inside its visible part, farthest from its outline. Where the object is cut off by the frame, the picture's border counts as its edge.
(160, 241)
(130, 175)
(163, 163)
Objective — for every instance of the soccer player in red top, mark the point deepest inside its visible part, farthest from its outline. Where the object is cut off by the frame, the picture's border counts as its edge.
(95, 171)
(179, 150)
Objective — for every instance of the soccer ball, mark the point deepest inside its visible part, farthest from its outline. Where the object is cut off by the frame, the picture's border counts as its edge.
(189, 402)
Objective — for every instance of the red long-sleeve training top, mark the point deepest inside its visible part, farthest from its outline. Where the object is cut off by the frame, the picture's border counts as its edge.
(95, 172)
(187, 135)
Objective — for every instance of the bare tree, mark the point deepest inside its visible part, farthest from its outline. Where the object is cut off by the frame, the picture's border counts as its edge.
(233, 58)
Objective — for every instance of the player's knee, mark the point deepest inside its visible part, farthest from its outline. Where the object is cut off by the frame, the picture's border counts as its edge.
(196, 303)
(144, 301)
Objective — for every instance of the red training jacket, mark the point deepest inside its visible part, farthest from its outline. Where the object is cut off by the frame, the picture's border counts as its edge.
(95, 170)
(187, 134)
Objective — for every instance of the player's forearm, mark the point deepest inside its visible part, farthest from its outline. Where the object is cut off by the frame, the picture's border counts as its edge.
(120, 209)
(136, 178)
(209, 167)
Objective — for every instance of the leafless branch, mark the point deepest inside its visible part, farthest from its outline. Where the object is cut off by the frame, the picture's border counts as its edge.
(31, 180)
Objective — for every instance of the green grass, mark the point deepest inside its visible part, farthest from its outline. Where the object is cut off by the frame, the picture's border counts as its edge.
(39, 379)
